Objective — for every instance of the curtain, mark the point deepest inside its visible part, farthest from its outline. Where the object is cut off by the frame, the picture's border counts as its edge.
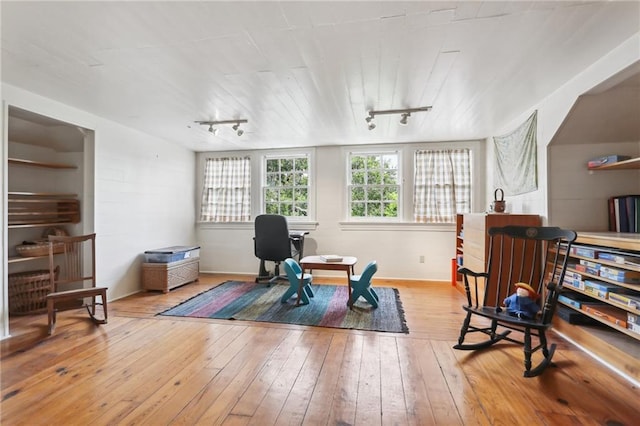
(442, 185)
(516, 159)
(226, 193)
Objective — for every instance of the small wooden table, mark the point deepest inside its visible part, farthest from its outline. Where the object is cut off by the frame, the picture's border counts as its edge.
(316, 262)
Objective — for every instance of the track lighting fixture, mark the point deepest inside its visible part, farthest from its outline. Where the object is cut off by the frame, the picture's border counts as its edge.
(214, 130)
(406, 113)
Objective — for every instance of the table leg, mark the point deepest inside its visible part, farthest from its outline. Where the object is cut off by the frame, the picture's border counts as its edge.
(349, 302)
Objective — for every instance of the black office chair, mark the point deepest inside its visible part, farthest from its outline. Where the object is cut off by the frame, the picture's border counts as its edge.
(272, 243)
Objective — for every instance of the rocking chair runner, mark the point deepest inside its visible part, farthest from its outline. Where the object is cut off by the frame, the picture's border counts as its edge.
(534, 255)
(78, 269)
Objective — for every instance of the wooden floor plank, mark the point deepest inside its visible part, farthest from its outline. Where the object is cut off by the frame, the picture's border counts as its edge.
(320, 405)
(343, 405)
(392, 392)
(368, 404)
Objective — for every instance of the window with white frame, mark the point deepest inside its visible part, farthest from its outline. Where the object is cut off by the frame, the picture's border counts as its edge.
(374, 185)
(286, 187)
(226, 192)
(442, 185)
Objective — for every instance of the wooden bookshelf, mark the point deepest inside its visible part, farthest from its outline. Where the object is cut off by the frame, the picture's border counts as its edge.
(614, 344)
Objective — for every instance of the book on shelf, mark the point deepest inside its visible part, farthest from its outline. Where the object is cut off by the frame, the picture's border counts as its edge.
(624, 213)
(331, 258)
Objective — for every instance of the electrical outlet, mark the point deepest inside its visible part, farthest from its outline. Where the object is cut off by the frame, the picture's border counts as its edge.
(421, 259)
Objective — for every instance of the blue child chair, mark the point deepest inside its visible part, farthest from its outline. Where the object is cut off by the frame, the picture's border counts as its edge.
(361, 285)
(294, 271)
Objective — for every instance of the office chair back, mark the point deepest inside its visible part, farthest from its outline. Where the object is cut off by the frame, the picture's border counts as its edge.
(272, 241)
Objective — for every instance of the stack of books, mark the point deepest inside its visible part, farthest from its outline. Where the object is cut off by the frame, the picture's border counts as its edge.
(624, 213)
(331, 258)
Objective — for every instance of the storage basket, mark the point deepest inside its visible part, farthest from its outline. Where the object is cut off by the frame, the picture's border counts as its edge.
(38, 248)
(28, 291)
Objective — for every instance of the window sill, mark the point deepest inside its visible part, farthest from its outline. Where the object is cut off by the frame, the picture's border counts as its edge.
(397, 226)
(297, 225)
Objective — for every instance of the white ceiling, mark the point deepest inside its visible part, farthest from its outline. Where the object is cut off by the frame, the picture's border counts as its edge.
(306, 73)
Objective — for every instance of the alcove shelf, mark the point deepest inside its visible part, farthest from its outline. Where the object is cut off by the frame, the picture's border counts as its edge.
(48, 165)
(632, 163)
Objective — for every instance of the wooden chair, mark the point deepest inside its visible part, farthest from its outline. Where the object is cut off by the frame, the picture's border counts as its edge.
(75, 285)
(361, 285)
(294, 272)
(533, 255)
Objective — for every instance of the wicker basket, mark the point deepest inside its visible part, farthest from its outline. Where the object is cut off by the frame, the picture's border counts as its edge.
(28, 291)
(39, 248)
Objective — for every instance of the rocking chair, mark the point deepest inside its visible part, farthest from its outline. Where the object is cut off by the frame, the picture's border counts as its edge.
(78, 261)
(536, 256)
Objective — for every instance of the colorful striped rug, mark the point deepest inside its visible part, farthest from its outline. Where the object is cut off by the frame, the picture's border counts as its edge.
(259, 302)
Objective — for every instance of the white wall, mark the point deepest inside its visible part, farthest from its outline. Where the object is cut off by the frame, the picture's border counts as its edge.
(144, 193)
(396, 247)
(551, 113)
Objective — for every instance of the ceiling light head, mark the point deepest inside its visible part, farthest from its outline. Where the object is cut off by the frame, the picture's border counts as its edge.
(240, 132)
(211, 129)
(404, 118)
(372, 125)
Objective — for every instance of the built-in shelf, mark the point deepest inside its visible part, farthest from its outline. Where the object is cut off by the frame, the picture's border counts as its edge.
(19, 259)
(633, 163)
(44, 164)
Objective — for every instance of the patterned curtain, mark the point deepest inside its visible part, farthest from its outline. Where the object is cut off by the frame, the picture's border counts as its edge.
(442, 185)
(516, 159)
(226, 194)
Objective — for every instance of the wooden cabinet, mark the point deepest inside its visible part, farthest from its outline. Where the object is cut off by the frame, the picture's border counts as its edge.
(472, 240)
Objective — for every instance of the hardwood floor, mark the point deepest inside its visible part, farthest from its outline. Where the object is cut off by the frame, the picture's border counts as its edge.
(146, 369)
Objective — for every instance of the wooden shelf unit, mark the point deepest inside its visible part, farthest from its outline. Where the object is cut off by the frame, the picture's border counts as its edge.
(620, 245)
(614, 344)
(631, 164)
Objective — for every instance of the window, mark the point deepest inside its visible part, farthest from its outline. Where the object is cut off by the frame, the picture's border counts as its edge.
(442, 185)
(226, 193)
(286, 185)
(374, 187)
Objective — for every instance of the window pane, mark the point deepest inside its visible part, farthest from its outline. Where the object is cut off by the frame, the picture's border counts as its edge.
(272, 166)
(373, 209)
(357, 178)
(357, 210)
(390, 177)
(357, 163)
(286, 164)
(271, 208)
(374, 177)
(357, 193)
